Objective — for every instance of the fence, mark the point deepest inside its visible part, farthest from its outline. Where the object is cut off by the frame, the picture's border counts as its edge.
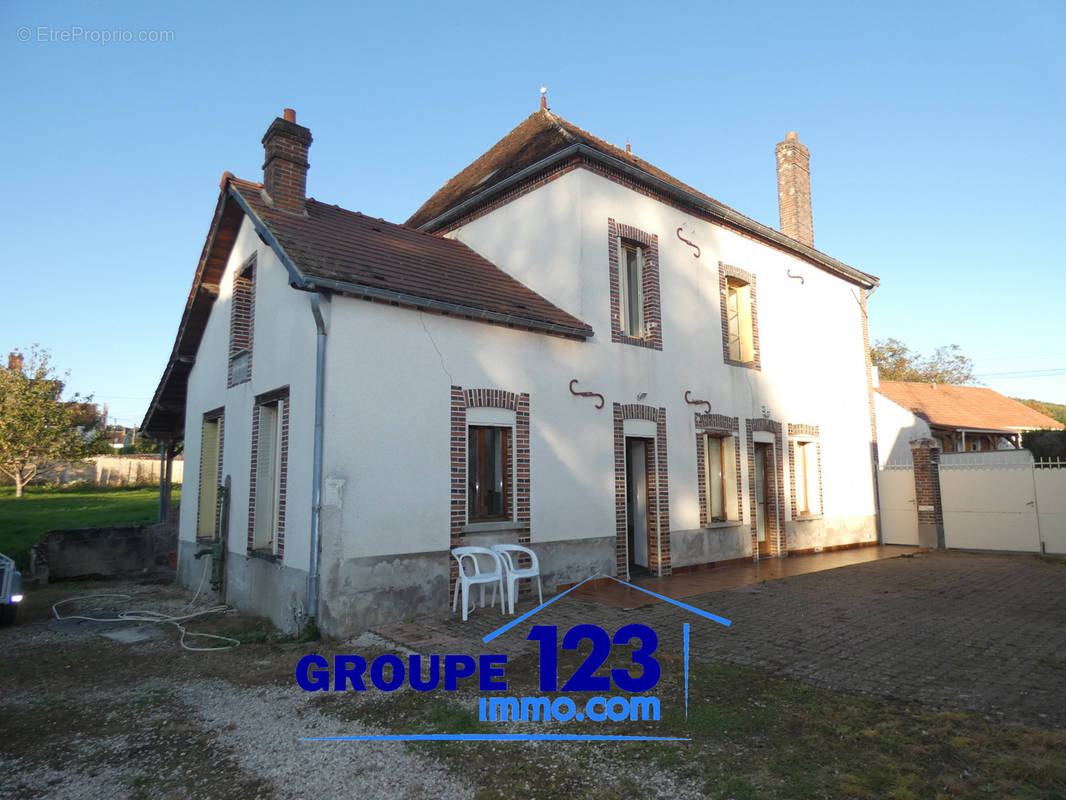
(120, 471)
(996, 500)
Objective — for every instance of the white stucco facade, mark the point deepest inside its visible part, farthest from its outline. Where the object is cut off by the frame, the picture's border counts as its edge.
(896, 429)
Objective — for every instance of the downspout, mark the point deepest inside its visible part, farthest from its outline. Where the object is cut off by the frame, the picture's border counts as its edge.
(316, 465)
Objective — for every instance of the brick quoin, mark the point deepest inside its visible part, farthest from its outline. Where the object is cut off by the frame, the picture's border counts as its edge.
(926, 456)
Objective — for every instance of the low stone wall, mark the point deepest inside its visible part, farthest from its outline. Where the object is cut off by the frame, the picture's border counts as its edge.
(127, 551)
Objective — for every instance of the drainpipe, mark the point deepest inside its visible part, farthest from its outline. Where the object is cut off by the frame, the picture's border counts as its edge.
(316, 468)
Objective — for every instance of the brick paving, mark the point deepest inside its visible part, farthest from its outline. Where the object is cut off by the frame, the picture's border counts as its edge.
(976, 632)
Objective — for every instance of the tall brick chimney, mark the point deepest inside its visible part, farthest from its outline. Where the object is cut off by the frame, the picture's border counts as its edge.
(14, 362)
(285, 146)
(794, 189)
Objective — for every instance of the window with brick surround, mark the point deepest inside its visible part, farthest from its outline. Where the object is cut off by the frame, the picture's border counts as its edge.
(633, 260)
(718, 468)
(266, 496)
(241, 322)
(805, 457)
(740, 326)
(472, 409)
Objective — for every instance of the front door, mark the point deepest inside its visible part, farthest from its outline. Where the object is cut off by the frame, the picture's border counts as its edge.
(761, 463)
(637, 500)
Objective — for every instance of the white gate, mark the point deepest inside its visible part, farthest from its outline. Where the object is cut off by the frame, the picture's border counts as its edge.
(990, 504)
(899, 513)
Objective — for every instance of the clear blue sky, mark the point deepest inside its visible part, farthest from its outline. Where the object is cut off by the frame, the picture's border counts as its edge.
(935, 131)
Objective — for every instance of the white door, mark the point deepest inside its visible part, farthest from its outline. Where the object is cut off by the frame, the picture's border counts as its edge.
(899, 512)
(637, 500)
(760, 499)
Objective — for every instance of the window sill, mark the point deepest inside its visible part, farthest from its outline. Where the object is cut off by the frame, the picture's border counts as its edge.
(805, 517)
(727, 523)
(746, 364)
(638, 341)
(265, 555)
(490, 527)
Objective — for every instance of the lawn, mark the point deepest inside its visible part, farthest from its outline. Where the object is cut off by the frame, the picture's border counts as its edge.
(25, 520)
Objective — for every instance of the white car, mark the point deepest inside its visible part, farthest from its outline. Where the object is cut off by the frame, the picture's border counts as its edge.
(10, 590)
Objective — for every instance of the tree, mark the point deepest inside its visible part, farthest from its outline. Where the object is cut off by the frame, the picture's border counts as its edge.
(1056, 411)
(38, 430)
(897, 362)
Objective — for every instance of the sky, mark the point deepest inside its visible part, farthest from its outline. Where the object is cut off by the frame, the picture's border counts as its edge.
(935, 132)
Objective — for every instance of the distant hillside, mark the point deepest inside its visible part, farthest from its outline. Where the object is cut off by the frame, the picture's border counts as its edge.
(1053, 410)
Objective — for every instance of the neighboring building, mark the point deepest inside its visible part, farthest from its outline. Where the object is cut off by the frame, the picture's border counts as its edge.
(961, 418)
(564, 346)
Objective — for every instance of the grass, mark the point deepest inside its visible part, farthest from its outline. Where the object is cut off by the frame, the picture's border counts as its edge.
(752, 736)
(24, 521)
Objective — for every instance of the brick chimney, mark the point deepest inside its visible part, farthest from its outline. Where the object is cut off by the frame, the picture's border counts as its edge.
(14, 362)
(794, 189)
(285, 146)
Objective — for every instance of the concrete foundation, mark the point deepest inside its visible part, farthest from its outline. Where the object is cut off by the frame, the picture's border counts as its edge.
(819, 533)
(707, 545)
(252, 585)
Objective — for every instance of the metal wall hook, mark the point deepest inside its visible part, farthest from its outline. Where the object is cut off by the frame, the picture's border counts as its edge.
(587, 394)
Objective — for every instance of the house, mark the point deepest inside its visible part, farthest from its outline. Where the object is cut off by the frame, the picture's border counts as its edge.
(960, 418)
(564, 346)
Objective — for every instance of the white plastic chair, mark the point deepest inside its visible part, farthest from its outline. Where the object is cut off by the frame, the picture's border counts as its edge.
(514, 573)
(466, 579)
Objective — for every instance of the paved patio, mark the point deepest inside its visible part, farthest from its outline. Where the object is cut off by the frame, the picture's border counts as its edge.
(949, 629)
(704, 581)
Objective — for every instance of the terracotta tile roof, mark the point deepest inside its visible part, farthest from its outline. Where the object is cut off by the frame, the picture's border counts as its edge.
(543, 134)
(334, 244)
(540, 135)
(972, 407)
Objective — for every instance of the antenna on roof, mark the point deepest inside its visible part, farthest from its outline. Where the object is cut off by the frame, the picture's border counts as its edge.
(628, 148)
(544, 97)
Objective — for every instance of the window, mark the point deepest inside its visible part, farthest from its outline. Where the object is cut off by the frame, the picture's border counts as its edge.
(270, 445)
(738, 308)
(488, 473)
(720, 473)
(636, 308)
(210, 459)
(242, 313)
(740, 320)
(806, 475)
(632, 289)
